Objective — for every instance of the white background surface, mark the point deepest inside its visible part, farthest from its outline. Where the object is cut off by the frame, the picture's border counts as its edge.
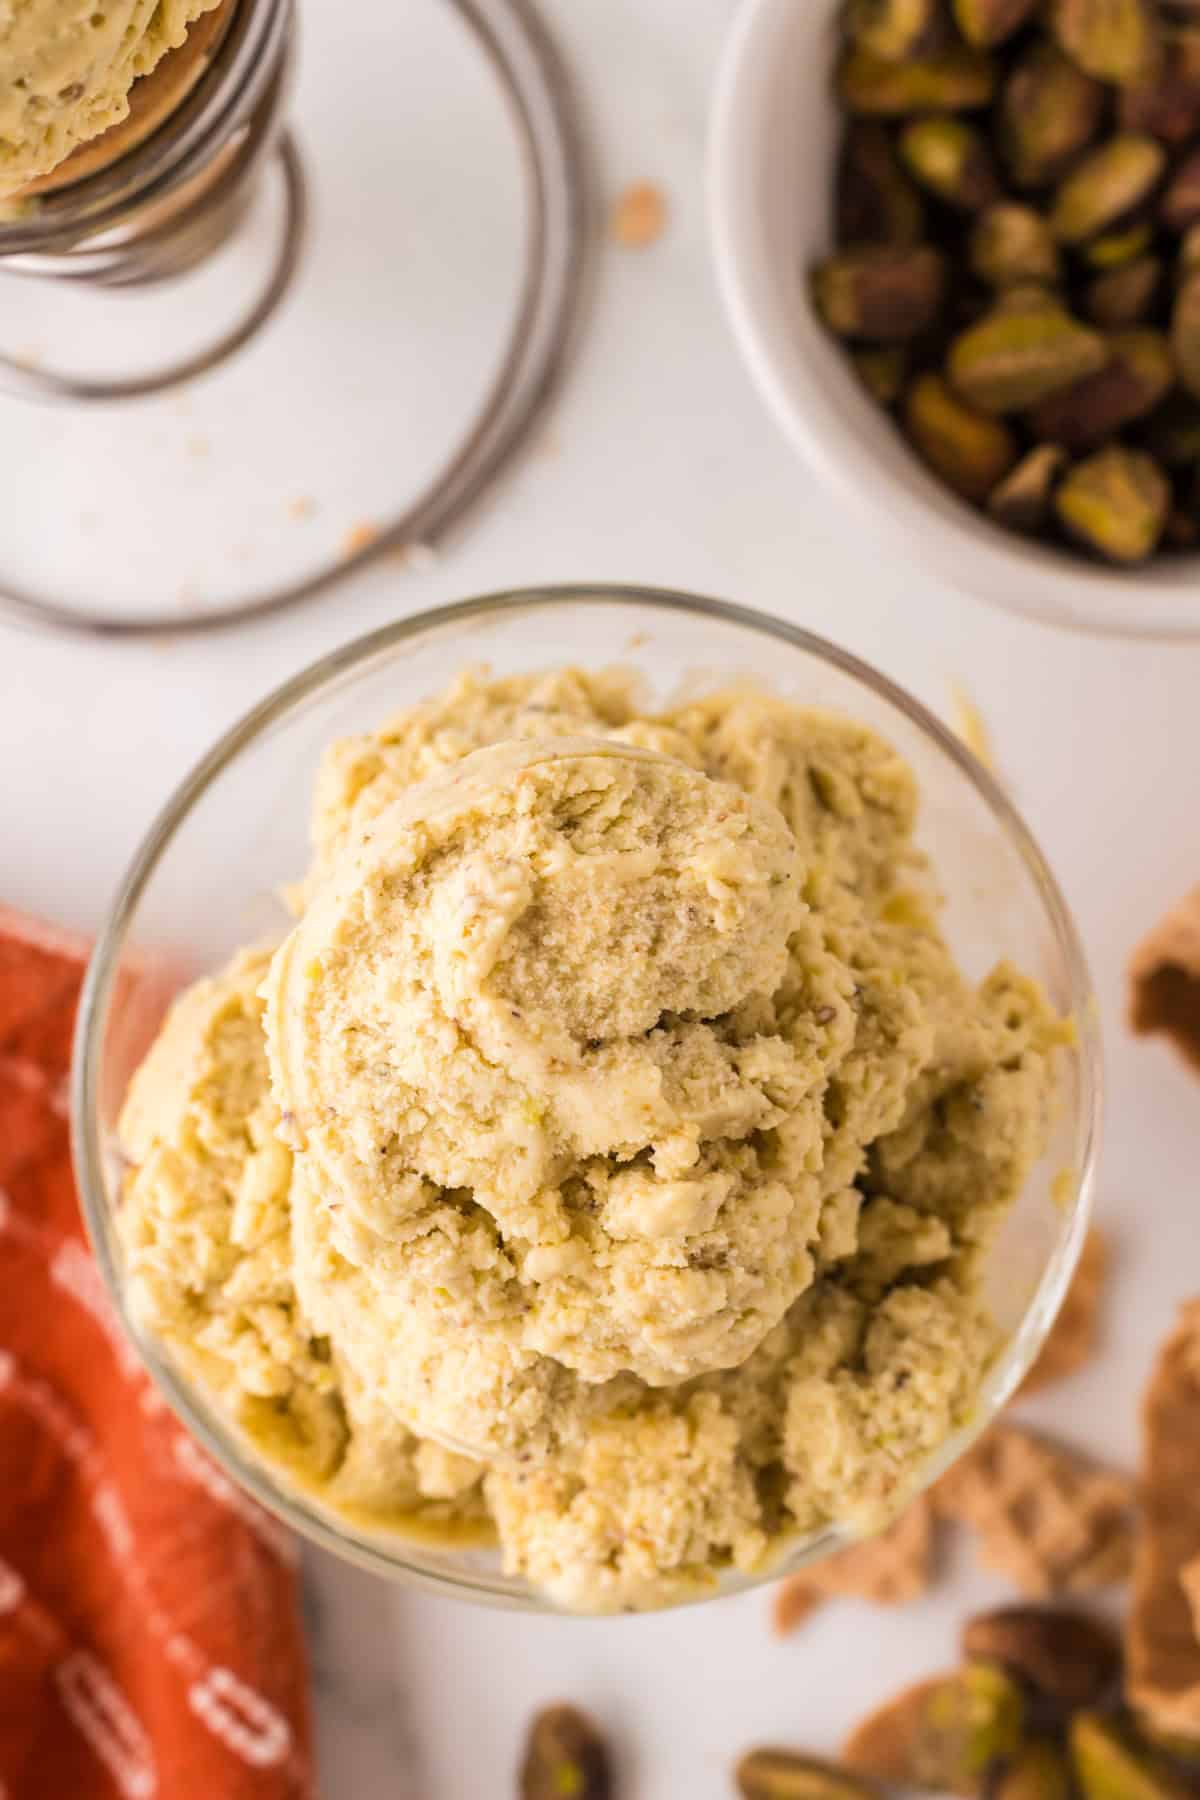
(660, 466)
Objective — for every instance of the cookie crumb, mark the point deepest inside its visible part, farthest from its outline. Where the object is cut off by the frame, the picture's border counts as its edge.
(1047, 1517)
(970, 725)
(888, 1570)
(359, 536)
(639, 216)
(1164, 980)
(302, 507)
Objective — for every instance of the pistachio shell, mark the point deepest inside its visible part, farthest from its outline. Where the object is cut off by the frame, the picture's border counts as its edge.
(1113, 40)
(1014, 359)
(885, 295)
(1070, 1658)
(1049, 112)
(1109, 183)
(876, 203)
(1137, 376)
(1115, 503)
(1013, 243)
(956, 79)
(970, 451)
(951, 159)
(565, 1755)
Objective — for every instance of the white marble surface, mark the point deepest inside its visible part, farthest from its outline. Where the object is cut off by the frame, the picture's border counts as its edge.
(660, 467)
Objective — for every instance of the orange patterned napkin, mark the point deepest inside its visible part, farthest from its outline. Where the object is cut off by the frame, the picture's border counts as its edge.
(150, 1646)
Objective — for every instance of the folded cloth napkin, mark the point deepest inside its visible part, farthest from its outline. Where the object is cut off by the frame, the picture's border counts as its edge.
(150, 1644)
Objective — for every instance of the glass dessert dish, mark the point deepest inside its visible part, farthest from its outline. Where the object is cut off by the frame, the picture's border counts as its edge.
(209, 876)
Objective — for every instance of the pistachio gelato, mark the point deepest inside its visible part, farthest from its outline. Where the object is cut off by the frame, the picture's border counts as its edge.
(608, 1153)
(66, 70)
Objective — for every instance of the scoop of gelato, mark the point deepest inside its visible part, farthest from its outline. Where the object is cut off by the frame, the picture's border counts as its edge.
(66, 69)
(516, 1041)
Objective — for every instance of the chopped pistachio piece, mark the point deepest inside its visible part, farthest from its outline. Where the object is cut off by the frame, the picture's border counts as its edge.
(879, 293)
(1013, 359)
(1013, 243)
(876, 203)
(1022, 501)
(970, 451)
(1114, 40)
(788, 1775)
(956, 79)
(1138, 374)
(1109, 183)
(1110, 1764)
(1123, 296)
(986, 23)
(892, 28)
(566, 1758)
(1116, 503)
(952, 160)
(1049, 111)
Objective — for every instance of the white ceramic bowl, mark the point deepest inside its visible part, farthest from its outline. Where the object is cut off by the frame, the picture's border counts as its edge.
(773, 138)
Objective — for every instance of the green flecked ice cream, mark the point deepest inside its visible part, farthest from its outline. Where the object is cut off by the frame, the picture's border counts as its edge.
(66, 70)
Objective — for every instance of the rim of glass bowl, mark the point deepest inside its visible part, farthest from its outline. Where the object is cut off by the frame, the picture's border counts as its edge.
(396, 1556)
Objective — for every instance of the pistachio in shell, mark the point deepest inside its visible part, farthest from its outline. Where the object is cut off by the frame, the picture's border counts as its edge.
(1180, 204)
(1017, 357)
(1185, 332)
(954, 79)
(1112, 249)
(1105, 186)
(987, 23)
(884, 294)
(1110, 1763)
(1067, 1657)
(1013, 243)
(1123, 296)
(951, 1734)
(1022, 502)
(1138, 374)
(969, 450)
(1168, 106)
(771, 1774)
(1115, 503)
(950, 158)
(1113, 40)
(875, 202)
(565, 1754)
(892, 29)
(1189, 250)
(883, 370)
(1049, 112)
(1038, 1771)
